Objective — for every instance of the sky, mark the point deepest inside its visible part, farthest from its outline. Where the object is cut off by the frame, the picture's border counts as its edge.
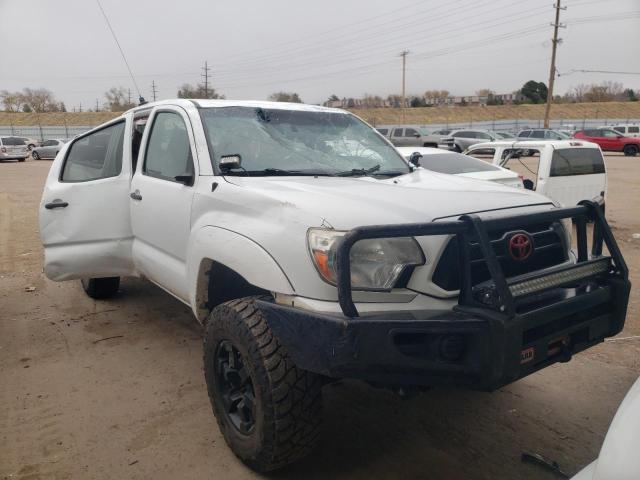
(342, 47)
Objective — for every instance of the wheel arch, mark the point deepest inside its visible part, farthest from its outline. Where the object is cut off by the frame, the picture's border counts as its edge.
(224, 265)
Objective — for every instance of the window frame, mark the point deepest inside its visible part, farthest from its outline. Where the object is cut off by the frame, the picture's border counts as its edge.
(84, 135)
(149, 131)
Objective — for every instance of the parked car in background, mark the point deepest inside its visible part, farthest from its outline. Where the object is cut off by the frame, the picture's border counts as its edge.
(402, 136)
(31, 142)
(625, 129)
(460, 140)
(611, 140)
(453, 163)
(504, 135)
(406, 136)
(48, 150)
(567, 171)
(13, 148)
(542, 134)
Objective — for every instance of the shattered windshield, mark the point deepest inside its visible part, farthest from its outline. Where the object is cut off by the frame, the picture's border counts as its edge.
(298, 142)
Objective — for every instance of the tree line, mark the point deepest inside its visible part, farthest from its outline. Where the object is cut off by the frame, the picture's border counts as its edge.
(119, 99)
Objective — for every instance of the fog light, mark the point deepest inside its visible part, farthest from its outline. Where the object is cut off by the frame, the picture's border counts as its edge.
(452, 347)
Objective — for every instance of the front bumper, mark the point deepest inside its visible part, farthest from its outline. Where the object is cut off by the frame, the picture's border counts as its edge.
(470, 348)
(501, 330)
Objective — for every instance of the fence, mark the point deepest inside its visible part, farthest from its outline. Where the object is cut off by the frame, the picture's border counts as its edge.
(42, 132)
(514, 125)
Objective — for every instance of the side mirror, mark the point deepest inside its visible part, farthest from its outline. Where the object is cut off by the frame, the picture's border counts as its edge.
(185, 179)
(230, 162)
(414, 159)
(528, 184)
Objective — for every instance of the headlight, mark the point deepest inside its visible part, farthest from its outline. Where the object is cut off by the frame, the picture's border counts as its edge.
(376, 264)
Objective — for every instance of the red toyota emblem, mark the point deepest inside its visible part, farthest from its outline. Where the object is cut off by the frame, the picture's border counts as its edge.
(520, 246)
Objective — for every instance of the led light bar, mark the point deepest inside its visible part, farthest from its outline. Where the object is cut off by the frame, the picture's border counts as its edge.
(578, 272)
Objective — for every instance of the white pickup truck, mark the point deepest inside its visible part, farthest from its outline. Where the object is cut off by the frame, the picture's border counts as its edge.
(566, 171)
(311, 251)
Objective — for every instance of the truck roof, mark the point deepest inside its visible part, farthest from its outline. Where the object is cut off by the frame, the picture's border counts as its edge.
(206, 103)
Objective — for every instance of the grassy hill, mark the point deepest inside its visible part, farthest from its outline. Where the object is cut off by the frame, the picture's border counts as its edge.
(440, 115)
(420, 116)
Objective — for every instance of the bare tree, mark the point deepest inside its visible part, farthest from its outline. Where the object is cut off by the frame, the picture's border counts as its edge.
(372, 101)
(12, 101)
(118, 99)
(578, 92)
(285, 97)
(39, 100)
(198, 91)
(485, 92)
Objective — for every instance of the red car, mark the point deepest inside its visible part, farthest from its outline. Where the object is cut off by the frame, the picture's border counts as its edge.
(610, 140)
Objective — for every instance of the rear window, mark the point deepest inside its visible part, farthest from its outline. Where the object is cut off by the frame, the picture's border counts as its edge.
(13, 141)
(633, 129)
(453, 163)
(576, 161)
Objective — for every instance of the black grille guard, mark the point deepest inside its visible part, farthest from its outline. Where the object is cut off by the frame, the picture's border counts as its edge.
(497, 293)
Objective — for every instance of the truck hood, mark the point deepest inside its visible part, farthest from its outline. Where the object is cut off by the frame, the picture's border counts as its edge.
(421, 196)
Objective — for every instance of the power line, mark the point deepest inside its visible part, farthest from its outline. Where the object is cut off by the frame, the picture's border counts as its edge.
(575, 70)
(120, 48)
(404, 54)
(154, 90)
(206, 69)
(552, 69)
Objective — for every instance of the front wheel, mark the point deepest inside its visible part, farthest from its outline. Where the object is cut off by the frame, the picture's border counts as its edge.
(630, 150)
(268, 410)
(35, 155)
(101, 288)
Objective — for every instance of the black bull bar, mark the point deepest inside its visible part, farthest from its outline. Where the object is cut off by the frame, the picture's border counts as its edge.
(501, 329)
(498, 293)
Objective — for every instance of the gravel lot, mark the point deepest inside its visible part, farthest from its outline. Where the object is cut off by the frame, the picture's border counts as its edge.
(78, 405)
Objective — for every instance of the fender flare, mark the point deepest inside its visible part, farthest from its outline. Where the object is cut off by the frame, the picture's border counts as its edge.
(239, 253)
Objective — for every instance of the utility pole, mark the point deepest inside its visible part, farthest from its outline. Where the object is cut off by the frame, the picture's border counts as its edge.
(206, 69)
(97, 106)
(404, 54)
(154, 90)
(552, 71)
(129, 98)
(80, 110)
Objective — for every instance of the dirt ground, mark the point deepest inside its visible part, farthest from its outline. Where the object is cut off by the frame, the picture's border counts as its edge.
(75, 403)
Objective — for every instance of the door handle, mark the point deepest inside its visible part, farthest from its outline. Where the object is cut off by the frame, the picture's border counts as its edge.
(136, 195)
(56, 204)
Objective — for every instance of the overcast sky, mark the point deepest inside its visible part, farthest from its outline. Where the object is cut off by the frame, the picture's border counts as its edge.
(315, 48)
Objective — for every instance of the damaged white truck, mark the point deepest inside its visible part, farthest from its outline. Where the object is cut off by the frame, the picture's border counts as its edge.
(310, 250)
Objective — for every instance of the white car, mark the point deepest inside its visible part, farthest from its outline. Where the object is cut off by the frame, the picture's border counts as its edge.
(567, 171)
(13, 148)
(445, 161)
(625, 129)
(49, 149)
(311, 251)
(619, 457)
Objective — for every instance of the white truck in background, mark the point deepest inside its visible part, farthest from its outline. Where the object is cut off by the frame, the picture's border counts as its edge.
(567, 171)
